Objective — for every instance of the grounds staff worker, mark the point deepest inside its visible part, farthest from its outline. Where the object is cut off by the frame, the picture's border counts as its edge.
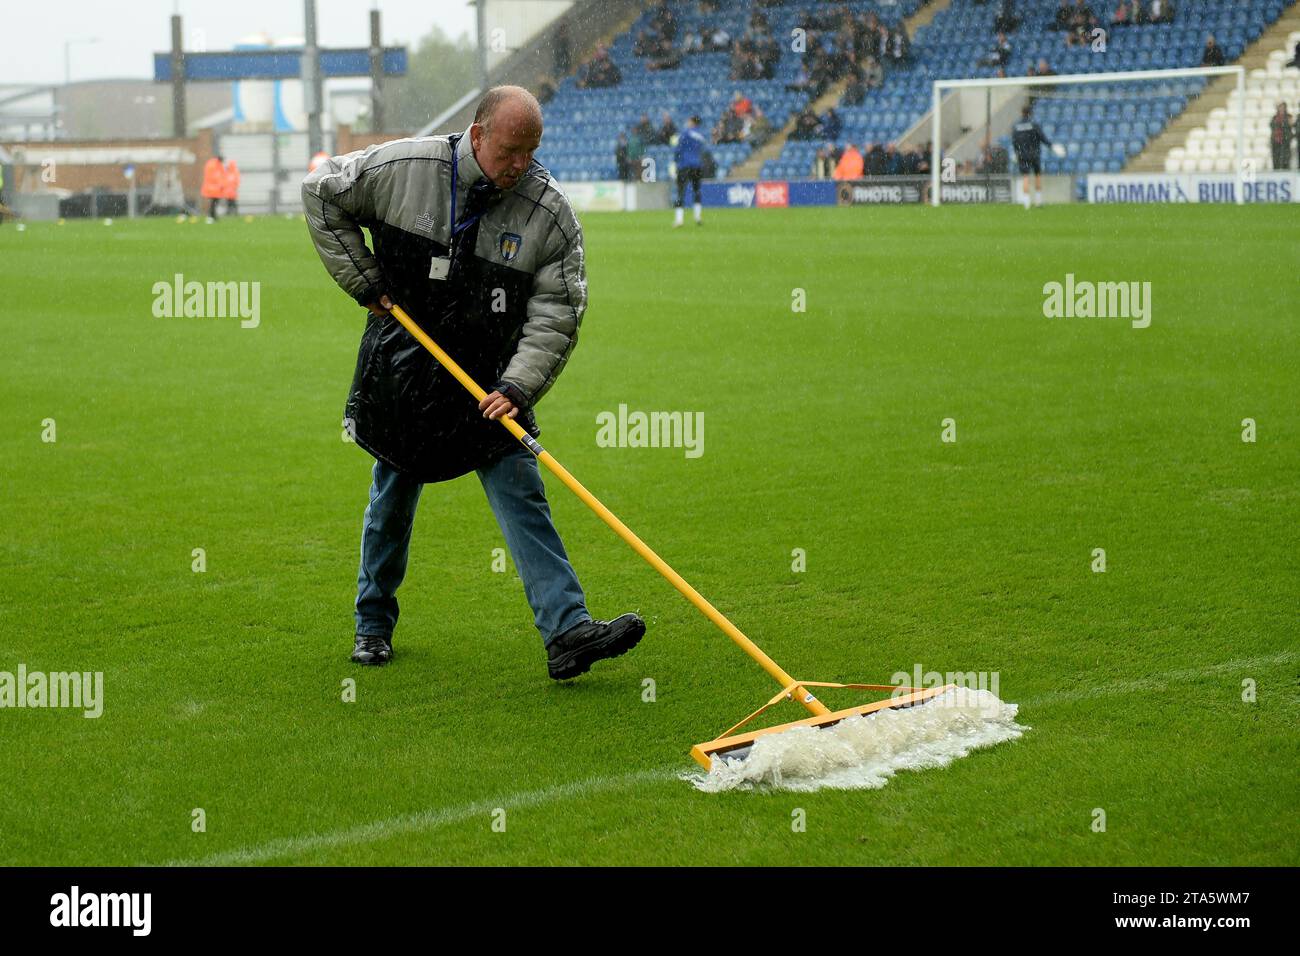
(475, 241)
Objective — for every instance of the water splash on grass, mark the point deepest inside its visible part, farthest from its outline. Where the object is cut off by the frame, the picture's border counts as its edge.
(862, 753)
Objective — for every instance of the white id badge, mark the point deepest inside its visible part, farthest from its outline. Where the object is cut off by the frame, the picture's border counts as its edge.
(439, 267)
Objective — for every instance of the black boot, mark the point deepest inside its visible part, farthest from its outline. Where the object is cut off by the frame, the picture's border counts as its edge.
(574, 651)
(372, 649)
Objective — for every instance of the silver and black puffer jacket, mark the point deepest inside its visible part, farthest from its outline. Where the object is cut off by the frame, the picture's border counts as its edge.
(508, 313)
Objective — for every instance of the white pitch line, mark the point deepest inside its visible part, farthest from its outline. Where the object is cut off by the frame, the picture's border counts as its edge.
(433, 819)
(420, 822)
(1156, 681)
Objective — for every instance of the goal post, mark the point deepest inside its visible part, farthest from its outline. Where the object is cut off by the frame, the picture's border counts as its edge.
(1063, 88)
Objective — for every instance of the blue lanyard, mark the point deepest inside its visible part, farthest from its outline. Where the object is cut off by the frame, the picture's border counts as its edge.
(457, 229)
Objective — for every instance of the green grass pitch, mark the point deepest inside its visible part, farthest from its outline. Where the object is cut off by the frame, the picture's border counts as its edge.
(223, 689)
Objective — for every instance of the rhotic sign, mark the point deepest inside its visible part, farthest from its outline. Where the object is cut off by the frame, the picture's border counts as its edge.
(510, 243)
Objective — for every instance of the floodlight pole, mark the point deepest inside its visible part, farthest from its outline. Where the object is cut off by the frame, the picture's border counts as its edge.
(311, 85)
(480, 17)
(376, 74)
(178, 79)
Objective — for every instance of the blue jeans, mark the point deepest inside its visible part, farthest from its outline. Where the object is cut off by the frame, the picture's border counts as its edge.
(514, 490)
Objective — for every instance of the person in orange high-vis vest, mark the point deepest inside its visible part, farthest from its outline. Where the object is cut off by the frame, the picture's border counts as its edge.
(214, 174)
(850, 164)
(230, 188)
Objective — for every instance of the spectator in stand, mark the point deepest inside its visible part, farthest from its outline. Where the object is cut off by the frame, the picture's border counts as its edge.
(993, 160)
(850, 164)
(644, 43)
(635, 153)
(741, 105)
(807, 126)
(873, 73)
(1161, 11)
(875, 160)
(832, 125)
(867, 40)
(900, 46)
(1006, 20)
(1061, 19)
(729, 128)
(856, 90)
(769, 56)
(893, 163)
(716, 40)
(1295, 55)
(666, 59)
(667, 130)
(560, 50)
(1122, 14)
(824, 73)
(621, 162)
(1082, 22)
(708, 165)
(745, 64)
(1281, 131)
(600, 72)
(664, 21)
(692, 42)
(1213, 54)
(1045, 68)
(1000, 53)
(644, 130)
(545, 91)
(759, 130)
(823, 166)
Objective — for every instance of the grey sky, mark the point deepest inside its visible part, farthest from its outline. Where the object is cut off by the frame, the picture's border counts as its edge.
(131, 31)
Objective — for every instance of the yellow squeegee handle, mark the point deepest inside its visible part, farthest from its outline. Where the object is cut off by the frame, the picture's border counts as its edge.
(798, 692)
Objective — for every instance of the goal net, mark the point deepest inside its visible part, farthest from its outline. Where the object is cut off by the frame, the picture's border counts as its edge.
(1094, 122)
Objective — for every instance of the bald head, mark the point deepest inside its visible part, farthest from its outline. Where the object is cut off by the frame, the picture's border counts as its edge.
(508, 105)
(506, 132)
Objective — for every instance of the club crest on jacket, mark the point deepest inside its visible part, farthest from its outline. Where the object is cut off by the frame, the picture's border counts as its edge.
(510, 243)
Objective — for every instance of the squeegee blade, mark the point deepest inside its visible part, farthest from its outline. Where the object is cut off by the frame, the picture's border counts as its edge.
(738, 745)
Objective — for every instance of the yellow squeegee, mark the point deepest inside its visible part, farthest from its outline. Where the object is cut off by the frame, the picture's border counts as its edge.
(728, 742)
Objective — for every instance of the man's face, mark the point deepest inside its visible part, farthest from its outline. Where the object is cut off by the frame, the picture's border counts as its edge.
(505, 150)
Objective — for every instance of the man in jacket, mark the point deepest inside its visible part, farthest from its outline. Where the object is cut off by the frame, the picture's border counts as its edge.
(230, 187)
(214, 176)
(475, 241)
(689, 157)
